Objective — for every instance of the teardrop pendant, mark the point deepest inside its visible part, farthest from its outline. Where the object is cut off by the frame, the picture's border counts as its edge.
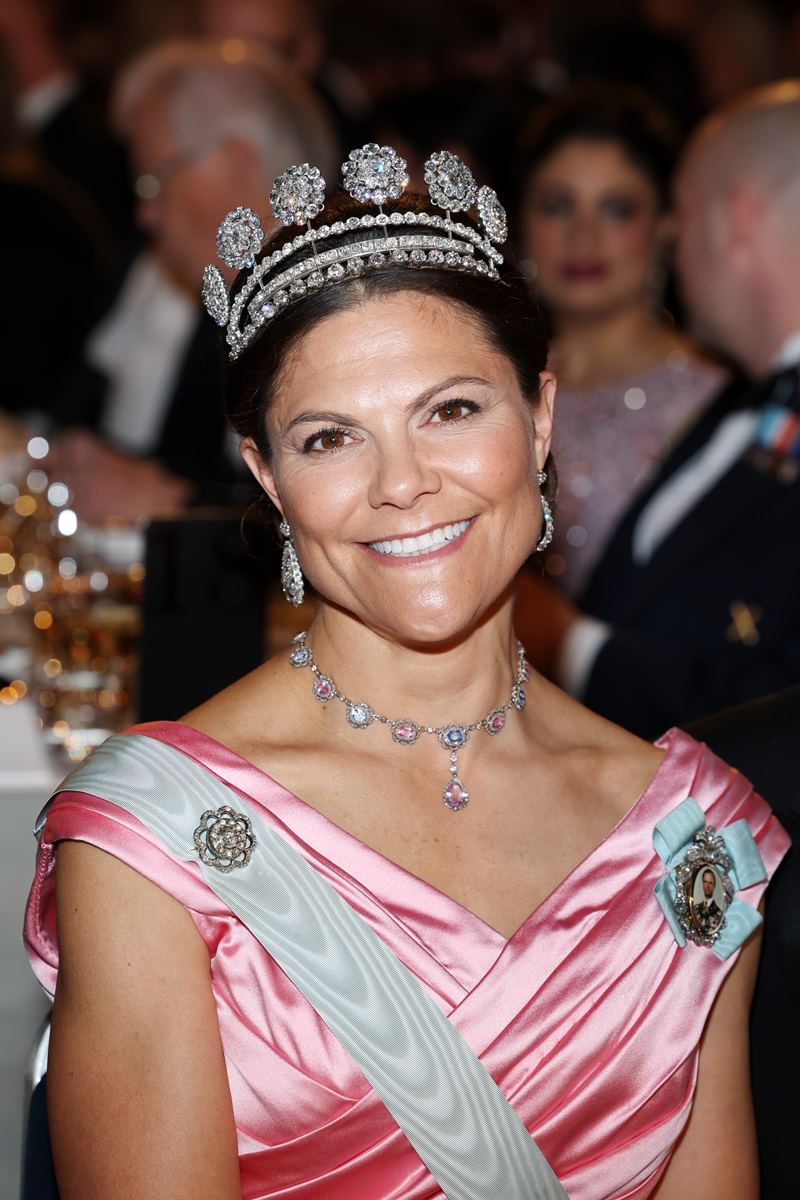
(455, 795)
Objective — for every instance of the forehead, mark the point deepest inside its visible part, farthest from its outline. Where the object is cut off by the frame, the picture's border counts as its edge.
(586, 162)
(388, 346)
(148, 132)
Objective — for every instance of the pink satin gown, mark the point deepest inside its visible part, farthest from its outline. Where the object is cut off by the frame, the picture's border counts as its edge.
(588, 1018)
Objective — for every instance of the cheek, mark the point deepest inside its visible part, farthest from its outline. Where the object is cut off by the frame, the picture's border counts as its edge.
(634, 244)
(318, 500)
(499, 464)
(544, 240)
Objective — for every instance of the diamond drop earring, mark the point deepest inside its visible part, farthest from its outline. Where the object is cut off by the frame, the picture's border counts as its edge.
(291, 575)
(547, 516)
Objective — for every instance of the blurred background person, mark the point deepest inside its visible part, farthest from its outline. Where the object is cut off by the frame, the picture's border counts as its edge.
(43, 214)
(695, 603)
(206, 129)
(597, 230)
(294, 29)
(63, 113)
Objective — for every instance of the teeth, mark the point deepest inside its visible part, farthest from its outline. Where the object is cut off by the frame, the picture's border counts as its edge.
(424, 544)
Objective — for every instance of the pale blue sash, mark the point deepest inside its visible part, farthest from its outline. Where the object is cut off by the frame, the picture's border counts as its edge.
(432, 1083)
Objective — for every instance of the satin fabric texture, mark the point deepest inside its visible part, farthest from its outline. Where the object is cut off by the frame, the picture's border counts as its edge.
(588, 1018)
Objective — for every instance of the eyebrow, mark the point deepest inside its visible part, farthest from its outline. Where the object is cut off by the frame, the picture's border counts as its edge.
(316, 416)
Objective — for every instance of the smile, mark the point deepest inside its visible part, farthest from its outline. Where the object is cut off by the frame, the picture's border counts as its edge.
(424, 543)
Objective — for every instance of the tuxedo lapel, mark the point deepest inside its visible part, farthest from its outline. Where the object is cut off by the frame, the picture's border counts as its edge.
(740, 492)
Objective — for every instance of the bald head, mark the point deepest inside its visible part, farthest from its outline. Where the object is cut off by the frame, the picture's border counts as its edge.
(754, 141)
(738, 208)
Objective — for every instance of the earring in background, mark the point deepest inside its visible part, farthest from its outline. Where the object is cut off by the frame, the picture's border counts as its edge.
(291, 575)
(547, 516)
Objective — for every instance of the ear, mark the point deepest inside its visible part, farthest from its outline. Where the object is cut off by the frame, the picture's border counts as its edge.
(747, 214)
(543, 416)
(261, 470)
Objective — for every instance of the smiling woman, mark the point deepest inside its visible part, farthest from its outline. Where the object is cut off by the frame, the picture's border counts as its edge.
(410, 986)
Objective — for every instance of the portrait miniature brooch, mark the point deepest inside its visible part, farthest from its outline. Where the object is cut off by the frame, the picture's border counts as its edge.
(705, 869)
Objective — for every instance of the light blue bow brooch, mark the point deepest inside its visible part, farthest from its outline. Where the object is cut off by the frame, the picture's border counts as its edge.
(705, 869)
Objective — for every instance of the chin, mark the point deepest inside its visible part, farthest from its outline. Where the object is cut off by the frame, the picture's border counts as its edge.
(435, 620)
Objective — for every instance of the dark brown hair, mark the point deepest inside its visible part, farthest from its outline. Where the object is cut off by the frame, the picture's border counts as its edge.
(505, 310)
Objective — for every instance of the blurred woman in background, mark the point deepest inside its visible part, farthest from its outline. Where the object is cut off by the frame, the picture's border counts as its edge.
(595, 233)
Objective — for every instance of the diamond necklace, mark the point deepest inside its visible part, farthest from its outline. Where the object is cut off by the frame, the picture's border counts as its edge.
(453, 737)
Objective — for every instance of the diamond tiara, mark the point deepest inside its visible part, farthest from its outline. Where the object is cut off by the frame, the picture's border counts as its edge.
(371, 175)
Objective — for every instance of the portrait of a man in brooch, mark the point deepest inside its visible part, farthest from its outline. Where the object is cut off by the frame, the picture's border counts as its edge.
(708, 913)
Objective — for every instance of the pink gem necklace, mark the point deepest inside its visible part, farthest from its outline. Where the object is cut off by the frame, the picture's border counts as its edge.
(452, 737)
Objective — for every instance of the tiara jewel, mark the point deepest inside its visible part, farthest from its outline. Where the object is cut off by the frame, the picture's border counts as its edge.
(492, 215)
(239, 238)
(215, 295)
(450, 182)
(298, 195)
(374, 174)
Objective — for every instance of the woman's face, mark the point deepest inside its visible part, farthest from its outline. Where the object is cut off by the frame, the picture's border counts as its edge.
(398, 420)
(592, 228)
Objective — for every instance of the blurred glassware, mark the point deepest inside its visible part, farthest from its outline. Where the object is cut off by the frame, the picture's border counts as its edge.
(87, 620)
(70, 601)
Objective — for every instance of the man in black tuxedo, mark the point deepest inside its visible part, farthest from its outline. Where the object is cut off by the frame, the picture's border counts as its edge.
(695, 603)
(207, 130)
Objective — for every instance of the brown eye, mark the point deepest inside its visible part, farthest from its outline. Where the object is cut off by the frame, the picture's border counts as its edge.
(455, 410)
(326, 439)
(332, 440)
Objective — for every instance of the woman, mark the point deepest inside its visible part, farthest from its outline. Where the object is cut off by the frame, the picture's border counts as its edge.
(397, 414)
(595, 230)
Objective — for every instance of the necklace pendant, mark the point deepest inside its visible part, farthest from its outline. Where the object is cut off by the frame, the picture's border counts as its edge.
(455, 795)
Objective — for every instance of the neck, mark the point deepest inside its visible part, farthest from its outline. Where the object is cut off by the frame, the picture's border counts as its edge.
(599, 350)
(760, 357)
(460, 681)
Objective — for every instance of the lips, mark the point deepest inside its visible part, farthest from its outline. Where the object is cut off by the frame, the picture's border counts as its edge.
(584, 269)
(423, 543)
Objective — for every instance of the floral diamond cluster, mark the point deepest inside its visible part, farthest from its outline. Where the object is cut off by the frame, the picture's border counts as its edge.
(451, 184)
(298, 195)
(239, 238)
(375, 174)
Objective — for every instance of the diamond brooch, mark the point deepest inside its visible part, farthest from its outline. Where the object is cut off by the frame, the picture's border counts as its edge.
(224, 839)
(375, 174)
(239, 238)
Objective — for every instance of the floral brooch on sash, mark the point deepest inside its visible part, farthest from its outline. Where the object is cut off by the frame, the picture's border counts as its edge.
(705, 870)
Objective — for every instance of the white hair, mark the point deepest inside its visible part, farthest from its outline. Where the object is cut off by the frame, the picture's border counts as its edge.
(217, 90)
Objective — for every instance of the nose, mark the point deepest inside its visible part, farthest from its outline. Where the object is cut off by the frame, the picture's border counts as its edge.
(402, 475)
